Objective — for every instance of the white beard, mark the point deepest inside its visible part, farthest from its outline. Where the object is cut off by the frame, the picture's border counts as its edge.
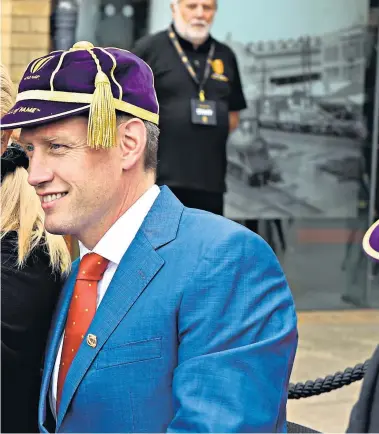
(195, 31)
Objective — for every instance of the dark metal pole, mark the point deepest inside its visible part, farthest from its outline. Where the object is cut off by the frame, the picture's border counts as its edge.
(374, 166)
(65, 19)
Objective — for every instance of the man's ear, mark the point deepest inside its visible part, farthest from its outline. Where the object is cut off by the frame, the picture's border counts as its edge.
(132, 138)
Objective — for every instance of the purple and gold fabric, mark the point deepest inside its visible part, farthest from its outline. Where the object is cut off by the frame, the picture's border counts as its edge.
(371, 241)
(100, 81)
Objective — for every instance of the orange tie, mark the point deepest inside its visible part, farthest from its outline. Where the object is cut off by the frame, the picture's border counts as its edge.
(81, 312)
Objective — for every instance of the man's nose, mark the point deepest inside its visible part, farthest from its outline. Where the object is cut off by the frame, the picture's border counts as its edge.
(199, 12)
(39, 172)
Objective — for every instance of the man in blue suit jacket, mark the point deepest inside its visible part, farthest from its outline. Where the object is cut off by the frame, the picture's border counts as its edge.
(194, 326)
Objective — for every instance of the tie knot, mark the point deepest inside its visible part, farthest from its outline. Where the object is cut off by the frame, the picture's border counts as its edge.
(92, 267)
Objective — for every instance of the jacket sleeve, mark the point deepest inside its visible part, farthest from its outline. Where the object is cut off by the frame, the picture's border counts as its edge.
(365, 414)
(237, 341)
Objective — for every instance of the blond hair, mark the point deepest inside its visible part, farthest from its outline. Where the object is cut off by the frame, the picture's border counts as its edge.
(7, 95)
(7, 90)
(21, 209)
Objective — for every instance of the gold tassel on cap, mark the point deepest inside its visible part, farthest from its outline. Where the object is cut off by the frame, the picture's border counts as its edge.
(102, 114)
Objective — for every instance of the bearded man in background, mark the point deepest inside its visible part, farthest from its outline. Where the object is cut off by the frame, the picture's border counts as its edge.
(200, 96)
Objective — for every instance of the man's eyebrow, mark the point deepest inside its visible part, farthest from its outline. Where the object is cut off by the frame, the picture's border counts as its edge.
(54, 139)
(41, 139)
(50, 139)
(64, 140)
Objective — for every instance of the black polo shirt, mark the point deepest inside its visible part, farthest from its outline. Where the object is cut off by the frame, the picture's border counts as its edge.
(190, 155)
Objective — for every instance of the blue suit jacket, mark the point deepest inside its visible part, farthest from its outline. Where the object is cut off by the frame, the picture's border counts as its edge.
(196, 332)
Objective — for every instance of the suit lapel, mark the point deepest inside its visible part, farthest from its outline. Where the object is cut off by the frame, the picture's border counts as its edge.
(56, 331)
(138, 266)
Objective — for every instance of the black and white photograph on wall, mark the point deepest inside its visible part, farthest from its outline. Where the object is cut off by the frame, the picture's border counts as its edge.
(298, 149)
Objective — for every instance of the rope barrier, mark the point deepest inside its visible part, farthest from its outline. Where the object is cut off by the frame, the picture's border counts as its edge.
(329, 383)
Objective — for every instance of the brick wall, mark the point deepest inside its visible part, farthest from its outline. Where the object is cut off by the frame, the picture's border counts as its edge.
(25, 33)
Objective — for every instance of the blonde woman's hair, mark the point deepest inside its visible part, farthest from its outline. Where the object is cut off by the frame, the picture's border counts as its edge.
(7, 95)
(23, 213)
(7, 90)
(21, 209)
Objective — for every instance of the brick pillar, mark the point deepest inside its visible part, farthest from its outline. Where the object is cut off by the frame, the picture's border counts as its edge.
(6, 30)
(25, 33)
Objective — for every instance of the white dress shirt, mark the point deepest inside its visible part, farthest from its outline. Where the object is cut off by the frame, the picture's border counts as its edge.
(112, 246)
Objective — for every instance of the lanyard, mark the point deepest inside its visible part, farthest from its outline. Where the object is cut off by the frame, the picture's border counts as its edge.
(188, 65)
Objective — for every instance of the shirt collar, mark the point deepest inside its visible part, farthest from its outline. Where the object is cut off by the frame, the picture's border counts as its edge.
(188, 46)
(118, 238)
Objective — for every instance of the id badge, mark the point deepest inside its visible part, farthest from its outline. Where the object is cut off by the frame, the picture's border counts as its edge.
(203, 112)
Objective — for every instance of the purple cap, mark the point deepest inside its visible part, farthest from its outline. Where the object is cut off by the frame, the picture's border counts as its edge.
(371, 241)
(64, 83)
